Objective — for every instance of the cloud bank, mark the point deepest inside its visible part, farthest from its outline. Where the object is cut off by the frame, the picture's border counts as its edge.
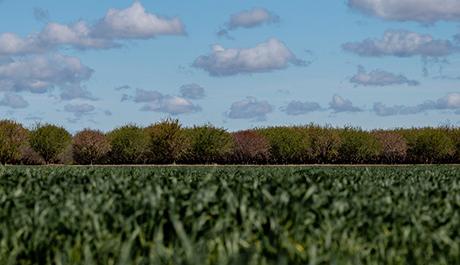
(133, 22)
(423, 11)
(449, 102)
(39, 74)
(402, 43)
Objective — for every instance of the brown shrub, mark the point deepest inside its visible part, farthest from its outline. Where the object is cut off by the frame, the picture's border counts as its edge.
(393, 147)
(90, 147)
(30, 157)
(13, 137)
(325, 144)
(250, 147)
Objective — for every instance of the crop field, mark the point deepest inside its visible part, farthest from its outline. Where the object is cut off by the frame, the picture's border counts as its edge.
(230, 215)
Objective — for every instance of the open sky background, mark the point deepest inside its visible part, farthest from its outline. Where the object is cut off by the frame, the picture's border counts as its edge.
(236, 64)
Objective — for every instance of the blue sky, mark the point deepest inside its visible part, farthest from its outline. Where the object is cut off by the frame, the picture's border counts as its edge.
(235, 64)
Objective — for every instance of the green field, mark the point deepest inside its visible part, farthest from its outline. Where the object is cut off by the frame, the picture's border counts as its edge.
(230, 215)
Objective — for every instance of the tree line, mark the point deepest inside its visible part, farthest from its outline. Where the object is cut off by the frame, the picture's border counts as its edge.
(168, 142)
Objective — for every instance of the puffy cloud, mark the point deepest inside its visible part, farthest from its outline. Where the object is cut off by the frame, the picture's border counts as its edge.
(251, 18)
(339, 104)
(39, 74)
(250, 108)
(402, 43)
(380, 78)
(192, 91)
(265, 57)
(130, 23)
(79, 109)
(296, 107)
(158, 102)
(172, 105)
(423, 11)
(14, 101)
(78, 35)
(135, 23)
(449, 102)
(12, 44)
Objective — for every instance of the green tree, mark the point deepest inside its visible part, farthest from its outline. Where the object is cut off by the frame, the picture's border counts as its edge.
(49, 141)
(129, 145)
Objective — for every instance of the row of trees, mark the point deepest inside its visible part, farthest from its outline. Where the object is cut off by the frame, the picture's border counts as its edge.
(168, 142)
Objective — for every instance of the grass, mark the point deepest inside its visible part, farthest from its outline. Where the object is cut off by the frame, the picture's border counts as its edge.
(230, 215)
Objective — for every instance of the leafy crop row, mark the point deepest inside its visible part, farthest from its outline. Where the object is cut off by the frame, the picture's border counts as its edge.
(168, 142)
(229, 215)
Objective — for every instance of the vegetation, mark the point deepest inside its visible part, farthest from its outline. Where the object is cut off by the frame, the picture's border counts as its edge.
(229, 215)
(128, 145)
(207, 144)
(50, 141)
(13, 139)
(167, 142)
(90, 147)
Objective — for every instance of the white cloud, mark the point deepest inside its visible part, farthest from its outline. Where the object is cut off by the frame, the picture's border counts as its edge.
(402, 43)
(78, 35)
(12, 44)
(339, 104)
(380, 78)
(250, 108)
(39, 74)
(135, 23)
(423, 11)
(158, 102)
(13, 101)
(192, 91)
(449, 102)
(251, 18)
(172, 105)
(265, 57)
(296, 107)
(130, 23)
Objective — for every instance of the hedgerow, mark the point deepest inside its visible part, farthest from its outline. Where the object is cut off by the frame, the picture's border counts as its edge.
(169, 142)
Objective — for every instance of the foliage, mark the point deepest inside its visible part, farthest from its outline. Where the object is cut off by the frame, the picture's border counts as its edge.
(49, 141)
(166, 142)
(13, 138)
(229, 215)
(250, 148)
(358, 146)
(288, 145)
(129, 145)
(429, 145)
(393, 146)
(324, 144)
(207, 144)
(90, 147)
